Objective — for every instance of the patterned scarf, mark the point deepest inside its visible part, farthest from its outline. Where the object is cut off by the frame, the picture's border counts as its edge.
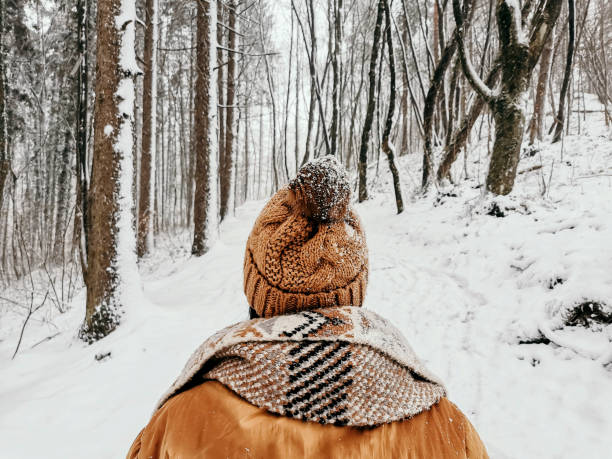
(343, 365)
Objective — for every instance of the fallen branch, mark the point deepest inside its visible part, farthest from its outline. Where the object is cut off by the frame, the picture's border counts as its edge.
(25, 322)
(48, 338)
(530, 169)
(594, 176)
(561, 342)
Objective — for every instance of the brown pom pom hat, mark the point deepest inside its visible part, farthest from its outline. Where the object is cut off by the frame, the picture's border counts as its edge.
(307, 249)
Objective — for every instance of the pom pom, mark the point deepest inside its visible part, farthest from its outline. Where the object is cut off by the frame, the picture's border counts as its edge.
(322, 190)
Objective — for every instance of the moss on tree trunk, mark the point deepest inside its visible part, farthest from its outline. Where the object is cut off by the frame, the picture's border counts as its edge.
(509, 125)
(509, 117)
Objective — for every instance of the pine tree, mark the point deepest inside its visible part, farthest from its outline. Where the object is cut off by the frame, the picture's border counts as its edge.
(111, 244)
(205, 199)
(149, 130)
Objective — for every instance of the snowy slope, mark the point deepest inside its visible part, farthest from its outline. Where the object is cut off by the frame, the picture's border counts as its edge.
(464, 286)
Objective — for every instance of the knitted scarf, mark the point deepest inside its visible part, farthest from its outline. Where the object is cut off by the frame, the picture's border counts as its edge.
(343, 365)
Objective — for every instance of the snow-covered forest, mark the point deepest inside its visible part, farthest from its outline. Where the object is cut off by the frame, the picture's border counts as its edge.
(139, 139)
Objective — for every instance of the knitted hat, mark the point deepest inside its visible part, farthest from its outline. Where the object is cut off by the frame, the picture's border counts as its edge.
(307, 249)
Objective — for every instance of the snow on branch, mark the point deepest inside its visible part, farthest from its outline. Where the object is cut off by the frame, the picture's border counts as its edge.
(470, 73)
(125, 262)
(515, 20)
(235, 51)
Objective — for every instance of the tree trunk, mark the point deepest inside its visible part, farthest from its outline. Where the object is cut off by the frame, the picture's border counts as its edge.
(404, 144)
(367, 127)
(461, 136)
(297, 104)
(228, 157)
(81, 213)
(111, 252)
(4, 160)
(436, 31)
(313, 73)
(313, 96)
(287, 98)
(336, 75)
(428, 110)
(247, 166)
(518, 57)
(63, 200)
(537, 121)
(275, 183)
(149, 131)
(509, 125)
(311, 115)
(221, 102)
(386, 143)
(205, 196)
(567, 75)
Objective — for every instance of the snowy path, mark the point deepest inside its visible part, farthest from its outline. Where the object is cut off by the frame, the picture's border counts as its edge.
(445, 278)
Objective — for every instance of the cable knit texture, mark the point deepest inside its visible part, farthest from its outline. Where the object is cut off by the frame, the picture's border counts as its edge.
(307, 248)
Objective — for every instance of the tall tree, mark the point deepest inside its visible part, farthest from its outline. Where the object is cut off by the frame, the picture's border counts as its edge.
(81, 214)
(429, 108)
(367, 126)
(405, 115)
(227, 158)
(461, 136)
(337, 75)
(314, 79)
(271, 91)
(205, 218)
(149, 130)
(220, 27)
(111, 246)
(520, 55)
(569, 58)
(537, 121)
(65, 117)
(311, 55)
(387, 146)
(4, 160)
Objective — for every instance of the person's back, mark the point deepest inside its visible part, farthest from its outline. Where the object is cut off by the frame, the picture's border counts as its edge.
(312, 374)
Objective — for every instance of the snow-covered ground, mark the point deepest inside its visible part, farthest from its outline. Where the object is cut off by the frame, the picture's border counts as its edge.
(464, 286)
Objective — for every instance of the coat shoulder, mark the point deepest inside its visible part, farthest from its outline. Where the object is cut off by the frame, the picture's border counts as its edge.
(209, 421)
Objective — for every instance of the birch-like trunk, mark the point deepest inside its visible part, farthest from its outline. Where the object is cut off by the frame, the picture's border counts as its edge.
(537, 122)
(558, 125)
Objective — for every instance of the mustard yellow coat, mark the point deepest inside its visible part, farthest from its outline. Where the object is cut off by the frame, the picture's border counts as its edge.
(210, 421)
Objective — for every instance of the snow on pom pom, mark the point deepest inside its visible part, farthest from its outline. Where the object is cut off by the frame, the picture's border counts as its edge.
(322, 189)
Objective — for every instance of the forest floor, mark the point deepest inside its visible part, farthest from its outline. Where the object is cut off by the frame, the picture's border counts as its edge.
(464, 286)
